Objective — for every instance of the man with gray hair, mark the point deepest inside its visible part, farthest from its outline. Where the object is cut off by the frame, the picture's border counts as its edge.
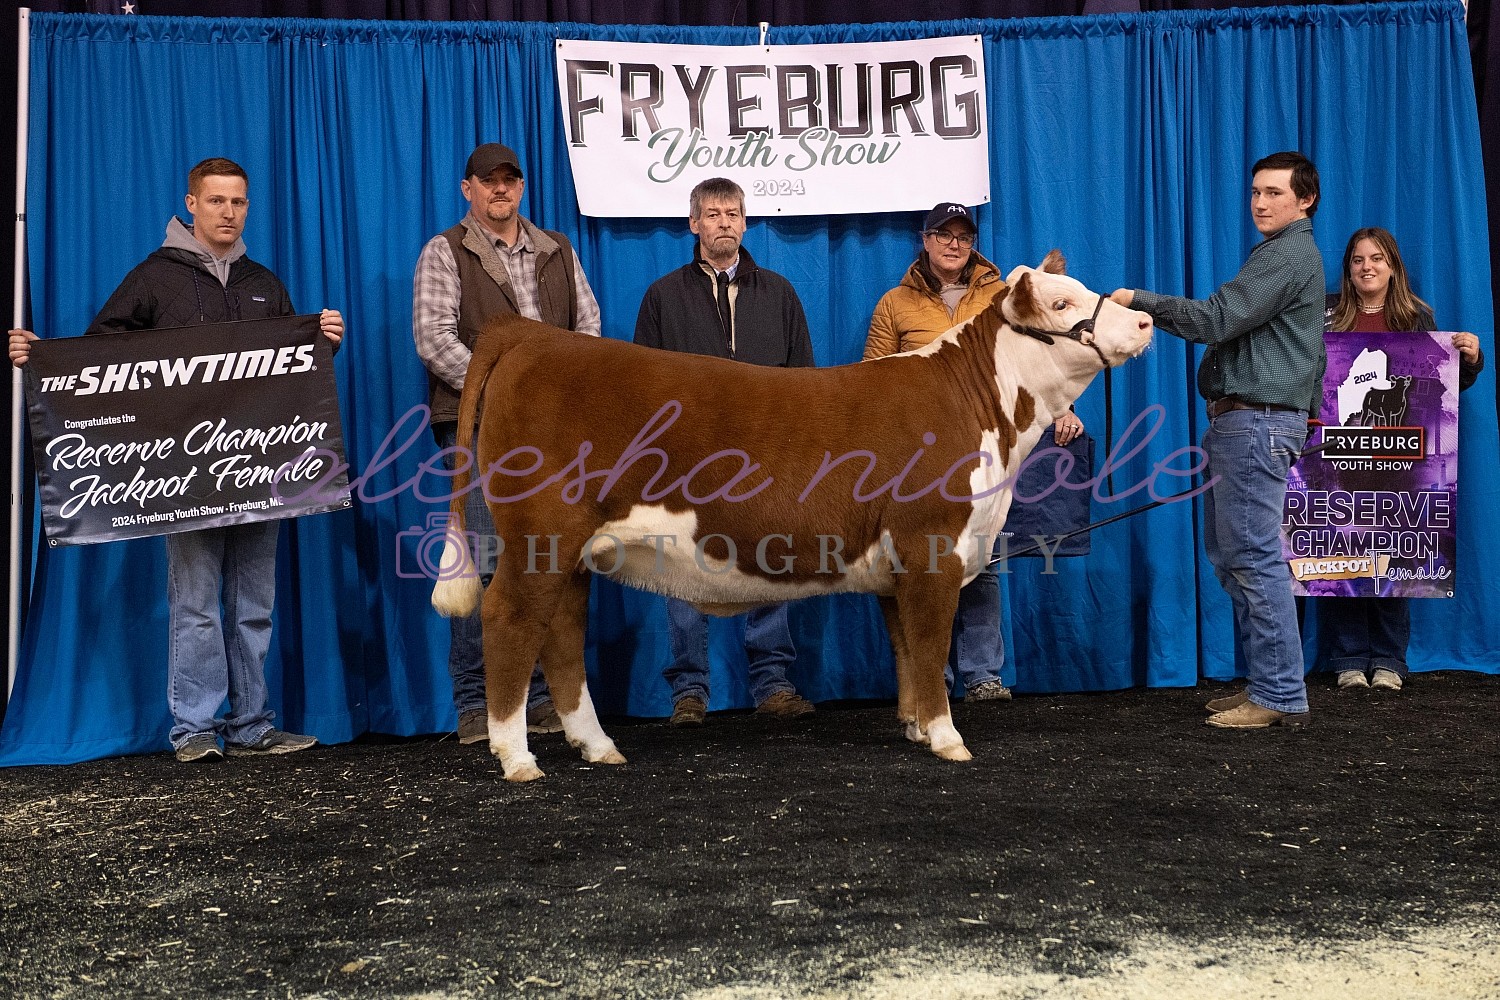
(724, 305)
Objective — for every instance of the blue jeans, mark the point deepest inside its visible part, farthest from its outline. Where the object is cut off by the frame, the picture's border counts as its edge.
(768, 646)
(221, 583)
(978, 649)
(1251, 451)
(1365, 633)
(466, 635)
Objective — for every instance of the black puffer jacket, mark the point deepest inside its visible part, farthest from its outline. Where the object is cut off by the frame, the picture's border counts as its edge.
(173, 288)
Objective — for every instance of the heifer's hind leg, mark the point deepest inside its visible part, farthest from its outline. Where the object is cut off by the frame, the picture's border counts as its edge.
(925, 606)
(516, 622)
(562, 662)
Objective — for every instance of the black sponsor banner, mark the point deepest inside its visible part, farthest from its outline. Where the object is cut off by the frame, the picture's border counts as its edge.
(156, 431)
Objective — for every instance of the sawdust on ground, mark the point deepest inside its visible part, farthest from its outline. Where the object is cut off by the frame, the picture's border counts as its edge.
(1453, 963)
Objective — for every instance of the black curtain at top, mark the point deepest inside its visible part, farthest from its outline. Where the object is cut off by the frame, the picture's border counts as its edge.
(688, 12)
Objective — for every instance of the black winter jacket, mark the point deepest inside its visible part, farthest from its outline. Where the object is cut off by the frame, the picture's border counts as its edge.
(679, 313)
(172, 288)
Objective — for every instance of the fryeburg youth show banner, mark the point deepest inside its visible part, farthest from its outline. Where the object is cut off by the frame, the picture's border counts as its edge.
(157, 431)
(804, 129)
(1372, 514)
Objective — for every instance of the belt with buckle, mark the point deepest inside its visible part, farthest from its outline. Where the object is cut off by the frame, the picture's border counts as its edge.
(1227, 403)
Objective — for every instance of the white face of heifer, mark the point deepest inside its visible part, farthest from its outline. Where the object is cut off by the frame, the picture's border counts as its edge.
(1058, 336)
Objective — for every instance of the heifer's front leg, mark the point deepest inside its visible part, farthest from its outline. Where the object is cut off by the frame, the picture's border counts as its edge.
(562, 662)
(925, 606)
(513, 634)
(906, 705)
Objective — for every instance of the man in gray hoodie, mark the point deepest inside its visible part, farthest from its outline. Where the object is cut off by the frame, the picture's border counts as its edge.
(200, 275)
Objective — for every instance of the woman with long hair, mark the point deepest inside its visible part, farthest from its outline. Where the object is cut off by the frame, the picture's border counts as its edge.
(1365, 638)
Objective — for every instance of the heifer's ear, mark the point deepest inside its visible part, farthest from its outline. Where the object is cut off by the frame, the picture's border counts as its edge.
(1021, 305)
(1054, 263)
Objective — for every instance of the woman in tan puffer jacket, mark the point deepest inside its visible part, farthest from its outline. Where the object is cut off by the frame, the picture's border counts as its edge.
(948, 284)
(913, 314)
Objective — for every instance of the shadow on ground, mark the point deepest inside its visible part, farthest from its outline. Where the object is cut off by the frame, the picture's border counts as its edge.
(790, 857)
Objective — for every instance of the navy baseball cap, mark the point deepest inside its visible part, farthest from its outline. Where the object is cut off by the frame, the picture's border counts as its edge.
(943, 213)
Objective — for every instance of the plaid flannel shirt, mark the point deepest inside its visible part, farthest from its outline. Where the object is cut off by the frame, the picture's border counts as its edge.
(436, 295)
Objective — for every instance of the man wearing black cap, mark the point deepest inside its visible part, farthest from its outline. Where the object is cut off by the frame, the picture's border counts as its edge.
(950, 283)
(493, 262)
(724, 305)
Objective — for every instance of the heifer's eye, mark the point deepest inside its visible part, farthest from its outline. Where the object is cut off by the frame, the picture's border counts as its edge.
(1059, 305)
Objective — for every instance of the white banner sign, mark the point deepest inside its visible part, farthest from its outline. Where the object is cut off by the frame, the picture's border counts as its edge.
(804, 129)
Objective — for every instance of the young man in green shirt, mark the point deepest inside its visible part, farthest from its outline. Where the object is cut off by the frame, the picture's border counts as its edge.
(1261, 375)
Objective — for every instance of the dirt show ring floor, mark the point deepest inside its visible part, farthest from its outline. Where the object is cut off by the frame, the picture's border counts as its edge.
(1099, 846)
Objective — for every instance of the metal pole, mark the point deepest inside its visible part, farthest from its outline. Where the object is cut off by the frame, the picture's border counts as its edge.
(18, 319)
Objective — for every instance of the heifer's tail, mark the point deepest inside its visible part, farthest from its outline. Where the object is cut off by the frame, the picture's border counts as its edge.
(457, 591)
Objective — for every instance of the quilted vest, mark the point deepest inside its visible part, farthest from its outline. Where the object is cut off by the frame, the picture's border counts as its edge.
(485, 294)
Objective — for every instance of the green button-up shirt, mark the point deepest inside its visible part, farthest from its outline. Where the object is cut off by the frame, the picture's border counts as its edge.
(1264, 329)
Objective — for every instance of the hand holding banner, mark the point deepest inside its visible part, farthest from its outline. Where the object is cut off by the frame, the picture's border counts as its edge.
(158, 431)
(1370, 509)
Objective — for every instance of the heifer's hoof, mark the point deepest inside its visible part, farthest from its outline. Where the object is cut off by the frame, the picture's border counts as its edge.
(916, 733)
(610, 756)
(526, 772)
(955, 752)
(603, 752)
(517, 766)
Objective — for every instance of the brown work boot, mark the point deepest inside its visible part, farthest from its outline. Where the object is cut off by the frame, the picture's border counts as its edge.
(785, 705)
(1227, 702)
(543, 719)
(474, 726)
(688, 711)
(1253, 716)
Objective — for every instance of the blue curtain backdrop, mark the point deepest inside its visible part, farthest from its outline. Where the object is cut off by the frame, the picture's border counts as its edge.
(1123, 140)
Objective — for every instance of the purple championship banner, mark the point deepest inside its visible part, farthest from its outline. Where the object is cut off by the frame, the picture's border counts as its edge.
(158, 431)
(1371, 511)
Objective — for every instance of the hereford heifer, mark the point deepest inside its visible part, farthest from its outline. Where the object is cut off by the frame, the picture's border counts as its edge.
(730, 486)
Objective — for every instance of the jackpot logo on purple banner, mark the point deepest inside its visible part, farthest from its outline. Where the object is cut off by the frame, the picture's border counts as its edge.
(1370, 509)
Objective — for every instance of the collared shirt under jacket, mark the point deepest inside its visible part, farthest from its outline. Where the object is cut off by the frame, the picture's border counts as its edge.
(680, 313)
